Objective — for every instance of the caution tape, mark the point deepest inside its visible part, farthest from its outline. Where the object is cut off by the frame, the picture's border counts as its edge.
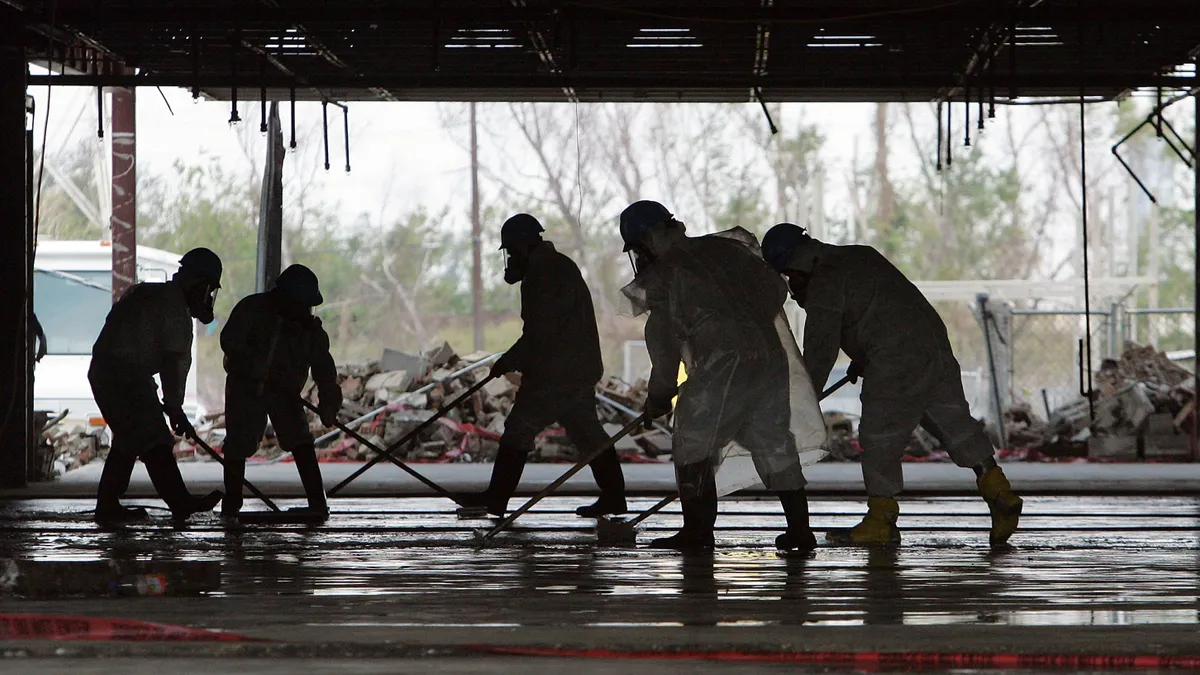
(867, 659)
(67, 627)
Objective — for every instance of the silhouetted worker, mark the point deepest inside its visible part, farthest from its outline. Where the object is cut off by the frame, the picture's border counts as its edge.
(715, 307)
(148, 332)
(558, 356)
(39, 336)
(271, 342)
(859, 302)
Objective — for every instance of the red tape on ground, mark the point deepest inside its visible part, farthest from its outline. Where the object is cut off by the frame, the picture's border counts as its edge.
(66, 627)
(873, 659)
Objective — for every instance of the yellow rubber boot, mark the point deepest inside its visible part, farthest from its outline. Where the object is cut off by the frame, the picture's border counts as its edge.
(878, 527)
(1003, 503)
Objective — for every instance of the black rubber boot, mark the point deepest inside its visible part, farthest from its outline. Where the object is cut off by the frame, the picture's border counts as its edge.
(606, 471)
(235, 473)
(699, 520)
(799, 535)
(699, 510)
(164, 474)
(114, 481)
(310, 477)
(506, 476)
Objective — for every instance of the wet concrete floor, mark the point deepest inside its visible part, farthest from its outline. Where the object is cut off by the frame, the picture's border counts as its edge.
(1085, 575)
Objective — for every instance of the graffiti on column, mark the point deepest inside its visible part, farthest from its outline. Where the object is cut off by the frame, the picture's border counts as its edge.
(124, 191)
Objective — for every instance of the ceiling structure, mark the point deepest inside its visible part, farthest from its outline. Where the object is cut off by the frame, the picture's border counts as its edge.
(619, 50)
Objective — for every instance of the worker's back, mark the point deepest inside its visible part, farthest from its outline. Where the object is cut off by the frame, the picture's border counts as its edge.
(721, 297)
(885, 317)
(149, 321)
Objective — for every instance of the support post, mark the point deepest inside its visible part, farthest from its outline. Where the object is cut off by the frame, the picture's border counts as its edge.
(124, 190)
(476, 239)
(1196, 276)
(270, 210)
(16, 259)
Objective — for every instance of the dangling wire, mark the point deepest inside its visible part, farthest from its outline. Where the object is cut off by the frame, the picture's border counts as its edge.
(940, 132)
(346, 131)
(292, 100)
(1083, 198)
(325, 130)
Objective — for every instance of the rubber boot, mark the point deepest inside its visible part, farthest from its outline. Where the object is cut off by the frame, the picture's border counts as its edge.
(114, 481)
(606, 471)
(506, 476)
(310, 477)
(235, 474)
(1004, 504)
(699, 511)
(164, 474)
(799, 535)
(878, 527)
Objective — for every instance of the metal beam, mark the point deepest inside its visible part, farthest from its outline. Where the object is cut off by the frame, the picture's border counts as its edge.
(1108, 79)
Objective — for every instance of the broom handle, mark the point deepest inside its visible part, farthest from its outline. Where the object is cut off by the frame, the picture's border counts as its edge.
(662, 504)
(564, 478)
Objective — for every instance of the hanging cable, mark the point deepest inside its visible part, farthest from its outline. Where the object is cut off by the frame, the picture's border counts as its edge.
(195, 64)
(949, 132)
(346, 131)
(234, 117)
(967, 115)
(325, 130)
(980, 115)
(292, 101)
(262, 96)
(1083, 200)
(100, 112)
(940, 131)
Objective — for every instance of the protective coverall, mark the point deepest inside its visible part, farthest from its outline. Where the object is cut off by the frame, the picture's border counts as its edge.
(860, 302)
(148, 332)
(558, 356)
(856, 300)
(713, 305)
(270, 346)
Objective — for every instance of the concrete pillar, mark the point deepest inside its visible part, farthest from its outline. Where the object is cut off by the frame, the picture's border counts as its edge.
(270, 210)
(124, 190)
(16, 259)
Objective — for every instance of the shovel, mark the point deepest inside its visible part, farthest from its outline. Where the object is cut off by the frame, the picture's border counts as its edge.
(482, 538)
(387, 454)
(383, 453)
(618, 532)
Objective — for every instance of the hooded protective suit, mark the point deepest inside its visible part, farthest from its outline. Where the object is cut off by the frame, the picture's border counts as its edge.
(558, 356)
(716, 307)
(147, 332)
(268, 355)
(860, 302)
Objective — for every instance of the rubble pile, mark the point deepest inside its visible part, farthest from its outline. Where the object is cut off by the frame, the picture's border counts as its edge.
(385, 399)
(1144, 405)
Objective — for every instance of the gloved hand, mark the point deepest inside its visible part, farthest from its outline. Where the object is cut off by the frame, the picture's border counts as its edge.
(655, 408)
(328, 415)
(180, 424)
(855, 371)
(503, 366)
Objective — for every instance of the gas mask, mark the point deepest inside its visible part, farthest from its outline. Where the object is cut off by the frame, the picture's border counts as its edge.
(798, 284)
(201, 299)
(640, 257)
(516, 263)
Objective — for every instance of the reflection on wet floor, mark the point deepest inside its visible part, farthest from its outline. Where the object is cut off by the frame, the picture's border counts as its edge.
(410, 562)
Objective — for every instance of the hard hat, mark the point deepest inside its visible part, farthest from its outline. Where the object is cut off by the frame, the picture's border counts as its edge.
(300, 285)
(520, 229)
(202, 264)
(780, 241)
(639, 217)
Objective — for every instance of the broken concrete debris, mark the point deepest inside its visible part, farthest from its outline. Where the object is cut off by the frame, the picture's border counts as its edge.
(1143, 404)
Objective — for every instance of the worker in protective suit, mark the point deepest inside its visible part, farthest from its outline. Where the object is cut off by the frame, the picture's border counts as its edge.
(558, 356)
(859, 302)
(271, 343)
(714, 306)
(148, 332)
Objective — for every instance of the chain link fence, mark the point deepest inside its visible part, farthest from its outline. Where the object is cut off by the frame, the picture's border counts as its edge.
(1048, 352)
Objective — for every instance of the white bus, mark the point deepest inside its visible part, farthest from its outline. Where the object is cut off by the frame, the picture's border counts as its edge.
(72, 293)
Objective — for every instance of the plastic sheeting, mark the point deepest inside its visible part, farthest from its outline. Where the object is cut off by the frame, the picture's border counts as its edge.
(723, 299)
